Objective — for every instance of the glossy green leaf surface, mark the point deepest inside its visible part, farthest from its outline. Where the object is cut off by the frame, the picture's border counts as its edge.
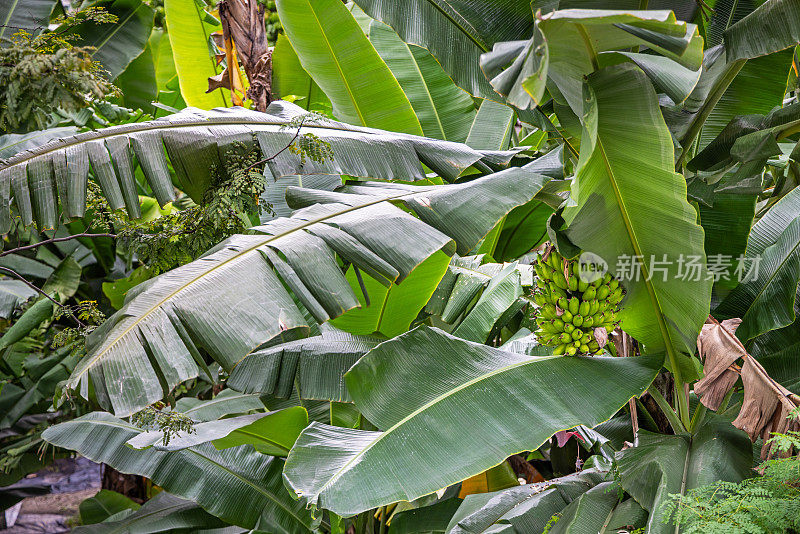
(189, 34)
(773, 26)
(289, 78)
(424, 435)
(444, 110)
(117, 44)
(456, 32)
(661, 465)
(334, 51)
(238, 485)
(633, 204)
(29, 15)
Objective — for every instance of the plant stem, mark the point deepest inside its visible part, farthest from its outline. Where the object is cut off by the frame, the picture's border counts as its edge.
(589, 47)
(669, 413)
(53, 240)
(725, 400)
(697, 417)
(384, 517)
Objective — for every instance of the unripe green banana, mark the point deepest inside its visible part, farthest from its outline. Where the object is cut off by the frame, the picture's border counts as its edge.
(589, 294)
(560, 281)
(565, 338)
(563, 303)
(572, 283)
(574, 305)
(569, 328)
(559, 350)
(597, 283)
(571, 351)
(603, 292)
(588, 322)
(567, 316)
(577, 334)
(583, 308)
(558, 324)
(540, 299)
(577, 320)
(584, 349)
(594, 307)
(612, 284)
(582, 286)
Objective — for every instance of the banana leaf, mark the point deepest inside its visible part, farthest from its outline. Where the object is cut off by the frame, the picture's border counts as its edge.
(316, 365)
(456, 32)
(30, 15)
(472, 406)
(196, 142)
(238, 485)
(152, 343)
(334, 51)
(631, 204)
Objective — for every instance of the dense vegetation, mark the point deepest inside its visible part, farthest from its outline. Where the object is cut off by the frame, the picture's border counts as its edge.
(406, 267)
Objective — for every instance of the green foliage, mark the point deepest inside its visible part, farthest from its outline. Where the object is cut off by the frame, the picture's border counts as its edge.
(765, 504)
(180, 237)
(42, 73)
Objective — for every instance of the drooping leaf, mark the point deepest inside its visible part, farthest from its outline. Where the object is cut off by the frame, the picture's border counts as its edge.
(118, 43)
(662, 465)
(773, 26)
(151, 343)
(631, 203)
(552, 56)
(424, 435)
(238, 485)
(431, 519)
(189, 31)
(11, 144)
(456, 32)
(196, 141)
(12, 294)
(334, 51)
(444, 110)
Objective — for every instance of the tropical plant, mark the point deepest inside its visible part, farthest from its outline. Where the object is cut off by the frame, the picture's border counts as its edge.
(321, 321)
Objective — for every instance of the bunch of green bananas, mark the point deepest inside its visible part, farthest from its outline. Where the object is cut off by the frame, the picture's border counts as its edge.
(569, 309)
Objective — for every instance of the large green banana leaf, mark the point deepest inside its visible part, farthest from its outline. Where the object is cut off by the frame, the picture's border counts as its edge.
(766, 299)
(12, 294)
(290, 79)
(661, 465)
(554, 55)
(189, 28)
(335, 52)
(450, 409)
(238, 485)
(117, 44)
(315, 365)
(773, 26)
(163, 513)
(234, 299)
(444, 110)
(197, 141)
(30, 15)
(631, 203)
(600, 510)
(456, 32)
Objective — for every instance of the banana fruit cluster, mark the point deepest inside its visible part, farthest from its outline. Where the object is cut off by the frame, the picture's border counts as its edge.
(570, 310)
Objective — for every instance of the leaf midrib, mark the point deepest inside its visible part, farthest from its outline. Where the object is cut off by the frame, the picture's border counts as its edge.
(158, 125)
(531, 360)
(92, 361)
(662, 325)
